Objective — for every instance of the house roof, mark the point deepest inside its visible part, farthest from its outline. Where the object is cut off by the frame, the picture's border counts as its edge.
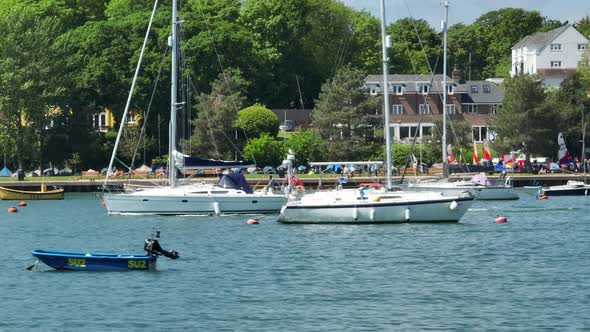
(494, 96)
(556, 72)
(541, 38)
(411, 82)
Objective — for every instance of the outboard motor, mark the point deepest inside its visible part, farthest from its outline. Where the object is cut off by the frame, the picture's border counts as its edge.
(152, 246)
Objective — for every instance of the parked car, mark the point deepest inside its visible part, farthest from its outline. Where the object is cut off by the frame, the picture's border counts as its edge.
(288, 125)
(268, 170)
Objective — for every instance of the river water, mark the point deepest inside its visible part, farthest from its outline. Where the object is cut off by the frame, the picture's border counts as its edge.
(530, 274)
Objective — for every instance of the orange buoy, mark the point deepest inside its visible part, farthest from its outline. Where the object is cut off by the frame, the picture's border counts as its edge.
(103, 203)
(252, 222)
(544, 196)
(22, 203)
(12, 209)
(500, 219)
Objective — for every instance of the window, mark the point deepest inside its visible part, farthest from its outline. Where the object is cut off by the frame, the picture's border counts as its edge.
(581, 47)
(424, 88)
(131, 118)
(486, 89)
(450, 89)
(495, 108)
(555, 47)
(398, 109)
(473, 89)
(397, 89)
(472, 109)
(426, 131)
(424, 109)
(555, 64)
(450, 109)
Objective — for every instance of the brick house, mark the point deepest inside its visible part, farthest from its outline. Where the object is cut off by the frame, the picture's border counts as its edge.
(413, 95)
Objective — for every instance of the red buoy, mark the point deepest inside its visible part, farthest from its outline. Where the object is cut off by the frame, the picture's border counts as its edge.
(500, 219)
(22, 203)
(544, 196)
(252, 222)
(103, 203)
(12, 209)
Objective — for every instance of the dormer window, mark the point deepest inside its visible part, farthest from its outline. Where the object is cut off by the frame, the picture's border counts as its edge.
(555, 47)
(555, 64)
(450, 89)
(424, 88)
(473, 89)
(486, 89)
(397, 89)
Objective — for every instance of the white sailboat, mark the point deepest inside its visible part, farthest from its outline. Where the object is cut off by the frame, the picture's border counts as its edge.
(232, 195)
(369, 205)
(479, 185)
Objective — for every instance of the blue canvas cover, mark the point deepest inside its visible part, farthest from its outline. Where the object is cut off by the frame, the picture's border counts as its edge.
(5, 172)
(235, 181)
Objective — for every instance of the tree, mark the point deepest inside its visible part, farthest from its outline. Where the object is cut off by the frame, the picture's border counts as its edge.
(30, 64)
(583, 26)
(256, 120)
(525, 120)
(265, 150)
(460, 135)
(215, 124)
(345, 116)
(416, 47)
(307, 146)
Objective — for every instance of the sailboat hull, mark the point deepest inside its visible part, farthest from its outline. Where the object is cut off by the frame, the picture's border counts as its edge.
(397, 208)
(168, 203)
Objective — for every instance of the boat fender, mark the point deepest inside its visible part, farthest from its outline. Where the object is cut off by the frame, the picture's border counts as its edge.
(377, 199)
(407, 214)
(500, 219)
(216, 208)
(12, 209)
(453, 205)
(544, 196)
(252, 222)
(22, 203)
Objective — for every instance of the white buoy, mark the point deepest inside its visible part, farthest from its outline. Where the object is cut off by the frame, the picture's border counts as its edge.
(252, 222)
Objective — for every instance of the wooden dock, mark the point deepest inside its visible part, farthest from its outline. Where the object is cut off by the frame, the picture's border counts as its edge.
(95, 185)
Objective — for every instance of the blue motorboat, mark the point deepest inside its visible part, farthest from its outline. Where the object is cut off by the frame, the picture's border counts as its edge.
(81, 261)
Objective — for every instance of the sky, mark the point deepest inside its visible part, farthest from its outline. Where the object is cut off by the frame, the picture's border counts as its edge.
(467, 11)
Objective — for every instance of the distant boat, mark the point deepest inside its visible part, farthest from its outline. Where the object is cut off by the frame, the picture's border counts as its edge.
(571, 188)
(43, 194)
(482, 187)
(80, 261)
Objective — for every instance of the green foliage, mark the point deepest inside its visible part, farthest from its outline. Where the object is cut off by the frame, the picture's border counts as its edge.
(217, 112)
(265, 150)
(307, 146)
(526, 119)
(257, 120)
(345, 116)
(416, 46)
(583, 26)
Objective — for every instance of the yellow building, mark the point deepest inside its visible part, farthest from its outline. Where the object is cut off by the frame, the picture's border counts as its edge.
(105, 120)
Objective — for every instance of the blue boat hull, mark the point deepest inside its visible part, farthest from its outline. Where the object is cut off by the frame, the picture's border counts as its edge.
(79, 261)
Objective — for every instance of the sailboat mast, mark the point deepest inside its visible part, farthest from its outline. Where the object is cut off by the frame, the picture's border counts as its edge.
(173, 97)
(444, 133)
(386, 127)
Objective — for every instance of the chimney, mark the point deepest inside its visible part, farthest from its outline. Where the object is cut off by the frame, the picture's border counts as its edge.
(457, 74)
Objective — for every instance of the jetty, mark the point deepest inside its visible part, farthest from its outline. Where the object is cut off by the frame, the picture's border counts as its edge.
(81, 184)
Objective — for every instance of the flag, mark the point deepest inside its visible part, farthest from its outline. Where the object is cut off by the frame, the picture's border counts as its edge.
(450, 154)
(486, 151)
(475, 156)
(295, 181)
(563, 155)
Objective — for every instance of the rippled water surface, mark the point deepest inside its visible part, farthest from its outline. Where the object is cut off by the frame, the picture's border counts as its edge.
(528, 274)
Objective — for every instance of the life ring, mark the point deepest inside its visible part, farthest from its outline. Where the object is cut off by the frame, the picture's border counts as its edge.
(300, 189)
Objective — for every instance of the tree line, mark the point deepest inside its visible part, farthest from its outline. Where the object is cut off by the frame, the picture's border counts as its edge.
(62, 61)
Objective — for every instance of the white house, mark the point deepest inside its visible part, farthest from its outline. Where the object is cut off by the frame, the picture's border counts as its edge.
(553, 54)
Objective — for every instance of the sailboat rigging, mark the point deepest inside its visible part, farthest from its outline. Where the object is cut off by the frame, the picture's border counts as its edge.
(367, 205)
(232, 195)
